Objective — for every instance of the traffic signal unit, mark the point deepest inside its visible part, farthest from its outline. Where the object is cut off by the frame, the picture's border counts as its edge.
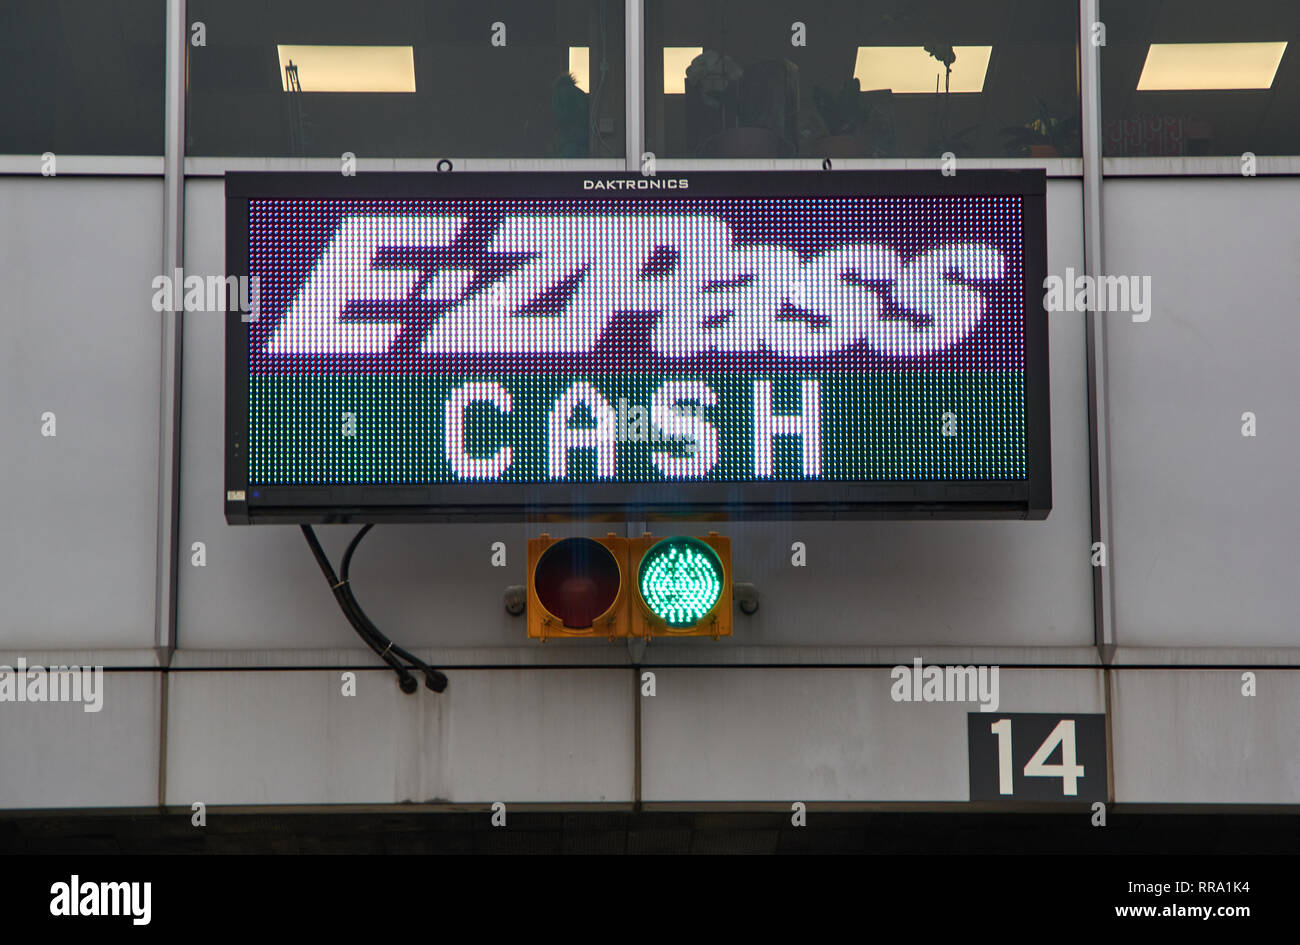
(629, 587)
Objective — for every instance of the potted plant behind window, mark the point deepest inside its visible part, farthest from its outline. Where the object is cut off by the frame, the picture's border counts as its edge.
(942, 140)
(1045, 135)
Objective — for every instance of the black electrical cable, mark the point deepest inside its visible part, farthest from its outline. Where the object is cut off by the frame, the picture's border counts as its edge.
(432, 678)
(364, 628)
(352, 547)
(406, 680)
(377, 642)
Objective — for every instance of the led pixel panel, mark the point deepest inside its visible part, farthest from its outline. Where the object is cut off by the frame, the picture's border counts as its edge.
(778, 344)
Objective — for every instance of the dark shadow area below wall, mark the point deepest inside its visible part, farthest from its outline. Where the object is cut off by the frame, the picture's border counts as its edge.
(626, 832)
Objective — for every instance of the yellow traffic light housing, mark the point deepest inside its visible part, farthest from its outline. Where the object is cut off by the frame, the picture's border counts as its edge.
(577, 587)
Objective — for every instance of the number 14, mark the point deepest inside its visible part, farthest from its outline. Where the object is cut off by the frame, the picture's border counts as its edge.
(1069, 770)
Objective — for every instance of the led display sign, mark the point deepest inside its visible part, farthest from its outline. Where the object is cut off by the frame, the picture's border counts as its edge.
(770, 344)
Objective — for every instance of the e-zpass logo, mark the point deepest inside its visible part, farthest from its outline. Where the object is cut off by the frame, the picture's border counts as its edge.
(718, 296)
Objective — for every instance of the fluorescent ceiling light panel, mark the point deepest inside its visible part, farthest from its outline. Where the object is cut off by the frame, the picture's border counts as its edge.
(350, 68)
(676, 59)
(580, 66)
(1200, 66)
(911, 70)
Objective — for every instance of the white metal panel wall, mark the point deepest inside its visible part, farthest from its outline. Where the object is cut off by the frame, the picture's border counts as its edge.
(1194, 737)
(59, 755)
(866, 583)
(78, 339)
(515, 736)
(1206, 521)
(1203, 536)
(824, 734)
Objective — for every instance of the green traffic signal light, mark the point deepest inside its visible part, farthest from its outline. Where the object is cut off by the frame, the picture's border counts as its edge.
(680, 580)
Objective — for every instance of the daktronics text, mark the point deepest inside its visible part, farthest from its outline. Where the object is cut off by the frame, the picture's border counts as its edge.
(637, 183)
(718, 296)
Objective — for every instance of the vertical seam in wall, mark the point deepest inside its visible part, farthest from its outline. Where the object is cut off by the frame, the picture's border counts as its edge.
(634, 78)
(1098, 403)
(637, 651)
(169, 394)
(1107, 679)
(636, 739)
(164, 691)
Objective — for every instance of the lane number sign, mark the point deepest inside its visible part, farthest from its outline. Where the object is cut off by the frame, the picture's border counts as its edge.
(1037, 757)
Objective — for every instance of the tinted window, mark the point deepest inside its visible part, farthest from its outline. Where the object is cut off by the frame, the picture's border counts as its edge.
(1200, 78)
(872, 78)
(81, 76)
(401, 78)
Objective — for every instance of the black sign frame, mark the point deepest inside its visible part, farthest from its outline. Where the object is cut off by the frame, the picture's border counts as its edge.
(1028, 731)
(1030, 498)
